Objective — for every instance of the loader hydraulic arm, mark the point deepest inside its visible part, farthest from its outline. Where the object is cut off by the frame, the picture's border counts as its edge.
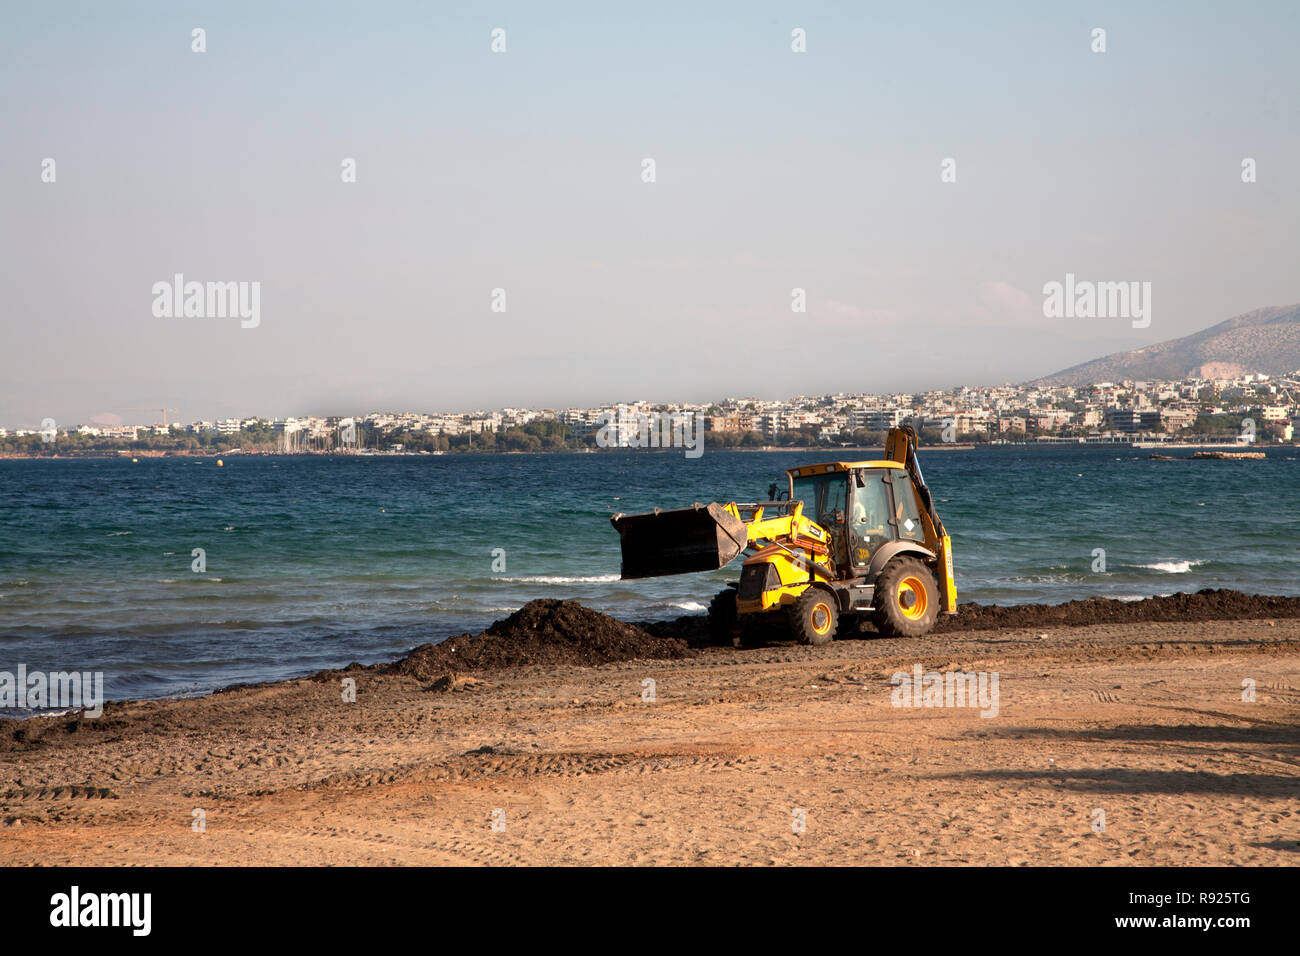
(788, 530)
(787, 523)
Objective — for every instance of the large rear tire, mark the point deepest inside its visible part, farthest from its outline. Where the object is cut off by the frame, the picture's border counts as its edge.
(723, 619)
(906, 600)
(814, 617)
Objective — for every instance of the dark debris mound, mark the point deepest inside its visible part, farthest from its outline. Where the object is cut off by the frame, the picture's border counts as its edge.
(1207, 605)
(543, 632)
(691, 628)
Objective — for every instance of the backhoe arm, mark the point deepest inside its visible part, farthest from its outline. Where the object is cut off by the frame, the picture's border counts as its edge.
(900, 446)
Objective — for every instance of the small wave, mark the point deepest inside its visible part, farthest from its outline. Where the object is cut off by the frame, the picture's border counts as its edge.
(560, 579)
(55, 713)
(117, 534)
(1172, 567)
(689, 606)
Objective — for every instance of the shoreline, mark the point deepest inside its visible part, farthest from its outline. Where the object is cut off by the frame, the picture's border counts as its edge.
(1201, 607)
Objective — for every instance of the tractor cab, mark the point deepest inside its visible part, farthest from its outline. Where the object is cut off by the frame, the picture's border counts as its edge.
(863, 505)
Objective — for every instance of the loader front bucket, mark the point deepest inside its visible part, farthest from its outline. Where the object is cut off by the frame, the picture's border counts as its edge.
(700, 538)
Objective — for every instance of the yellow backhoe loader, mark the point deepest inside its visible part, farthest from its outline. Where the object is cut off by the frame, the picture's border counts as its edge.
(852, 541)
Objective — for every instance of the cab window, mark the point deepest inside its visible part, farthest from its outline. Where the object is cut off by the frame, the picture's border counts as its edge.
(869, 528)
(822, 497)
(905, 507)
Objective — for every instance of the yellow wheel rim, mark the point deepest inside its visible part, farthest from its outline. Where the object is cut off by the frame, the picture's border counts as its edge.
(920, 597)
(821, 618)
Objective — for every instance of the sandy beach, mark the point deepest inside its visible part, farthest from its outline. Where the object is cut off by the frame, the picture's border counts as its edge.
(773, 755)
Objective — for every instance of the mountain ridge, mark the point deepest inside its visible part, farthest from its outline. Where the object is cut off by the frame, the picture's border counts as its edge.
(1264, 341)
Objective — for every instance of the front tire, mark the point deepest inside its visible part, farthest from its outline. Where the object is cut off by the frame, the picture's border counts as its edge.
(814, 617)
(906, 600)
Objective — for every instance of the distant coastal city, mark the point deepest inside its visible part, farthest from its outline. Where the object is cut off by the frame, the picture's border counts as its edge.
(1252, 408)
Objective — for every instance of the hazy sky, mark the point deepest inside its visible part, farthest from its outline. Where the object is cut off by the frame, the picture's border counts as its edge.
(523, 171)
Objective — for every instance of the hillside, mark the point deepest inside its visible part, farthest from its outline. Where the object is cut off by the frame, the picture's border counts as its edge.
(1266, 340)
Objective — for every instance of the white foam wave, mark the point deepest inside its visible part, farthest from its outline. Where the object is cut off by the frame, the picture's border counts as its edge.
(689, 605)
(1172, 567)
(563, 579)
